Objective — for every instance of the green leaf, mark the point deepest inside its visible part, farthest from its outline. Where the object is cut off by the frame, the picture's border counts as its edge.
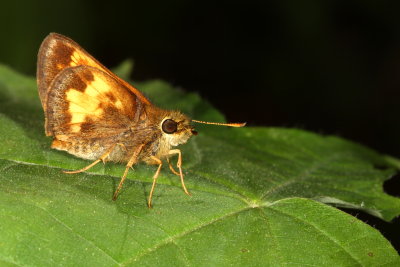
(124, 70)
(259, 196)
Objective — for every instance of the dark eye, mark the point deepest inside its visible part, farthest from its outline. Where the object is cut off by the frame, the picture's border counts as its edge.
(169, 126)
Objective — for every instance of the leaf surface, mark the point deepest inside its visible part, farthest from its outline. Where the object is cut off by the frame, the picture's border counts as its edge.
(259, 196)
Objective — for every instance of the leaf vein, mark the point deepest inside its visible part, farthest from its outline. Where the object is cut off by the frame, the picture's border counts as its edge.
(173, 238)
(324, 233)
(77, 234)
(304, 176)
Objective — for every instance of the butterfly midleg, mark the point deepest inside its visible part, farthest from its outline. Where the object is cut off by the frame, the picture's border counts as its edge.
(102, 158)
(179, 165)
(159, 162)
(130, 163)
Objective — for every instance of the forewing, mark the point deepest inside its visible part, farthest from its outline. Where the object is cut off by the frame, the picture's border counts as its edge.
(57, 53)
(87, 102)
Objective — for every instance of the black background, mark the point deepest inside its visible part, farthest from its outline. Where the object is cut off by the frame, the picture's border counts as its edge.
(331, 67)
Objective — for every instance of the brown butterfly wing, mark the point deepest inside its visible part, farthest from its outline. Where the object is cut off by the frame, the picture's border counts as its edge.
(57, 53)
(87, 103)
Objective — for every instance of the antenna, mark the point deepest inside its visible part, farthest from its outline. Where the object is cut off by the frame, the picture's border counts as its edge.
(234, 124)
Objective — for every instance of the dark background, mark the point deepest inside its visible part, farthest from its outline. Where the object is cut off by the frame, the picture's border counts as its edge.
(327, 66)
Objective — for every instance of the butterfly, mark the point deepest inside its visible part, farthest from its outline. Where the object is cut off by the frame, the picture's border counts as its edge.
(93, 114)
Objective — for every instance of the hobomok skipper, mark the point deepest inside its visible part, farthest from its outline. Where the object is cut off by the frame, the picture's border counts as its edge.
(93, 114)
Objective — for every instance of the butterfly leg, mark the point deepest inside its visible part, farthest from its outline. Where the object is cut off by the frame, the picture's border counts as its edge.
(130, 163)
(172, 168)
(159, 162)
(179, 165)
(102, 158)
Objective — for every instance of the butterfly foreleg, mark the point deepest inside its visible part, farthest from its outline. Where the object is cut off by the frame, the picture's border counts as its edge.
(179, 166)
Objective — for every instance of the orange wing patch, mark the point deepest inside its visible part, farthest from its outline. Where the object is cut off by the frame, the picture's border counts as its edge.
(87, 102)
(58, 53)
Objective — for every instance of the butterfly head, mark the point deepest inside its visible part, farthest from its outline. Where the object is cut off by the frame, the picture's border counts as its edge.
(176, 128)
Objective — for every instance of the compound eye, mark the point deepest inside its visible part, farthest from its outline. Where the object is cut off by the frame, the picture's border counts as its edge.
(169, 126)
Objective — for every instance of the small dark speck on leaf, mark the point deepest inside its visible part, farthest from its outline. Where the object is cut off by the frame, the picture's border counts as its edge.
(370, 254)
